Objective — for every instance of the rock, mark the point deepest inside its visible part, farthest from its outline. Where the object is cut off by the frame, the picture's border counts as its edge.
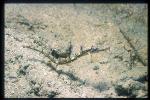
(136, 73)
(129, 88)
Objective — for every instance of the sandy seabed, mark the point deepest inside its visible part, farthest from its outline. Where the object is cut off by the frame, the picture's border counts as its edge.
(120, 72)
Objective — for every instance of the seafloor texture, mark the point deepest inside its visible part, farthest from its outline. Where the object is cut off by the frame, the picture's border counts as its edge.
(76, 50)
